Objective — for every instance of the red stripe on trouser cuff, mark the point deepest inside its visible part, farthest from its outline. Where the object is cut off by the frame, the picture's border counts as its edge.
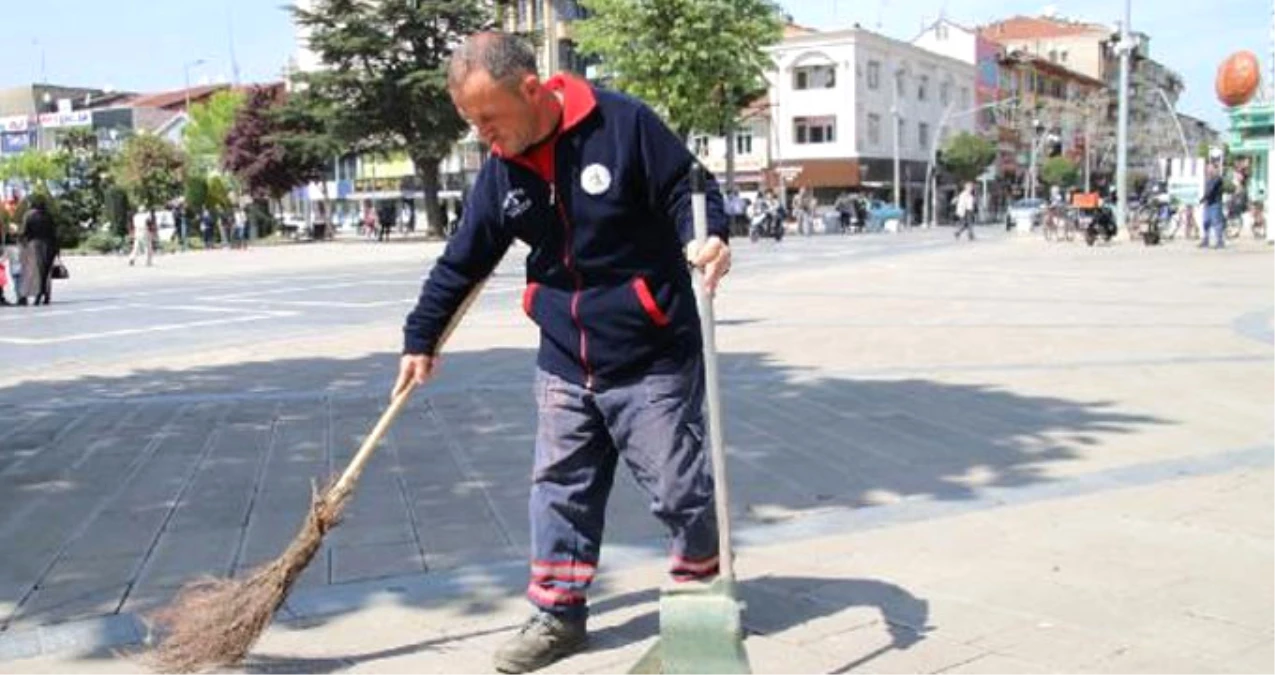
(550, 595)
(649, 305)
(562, 571)
(683, 569)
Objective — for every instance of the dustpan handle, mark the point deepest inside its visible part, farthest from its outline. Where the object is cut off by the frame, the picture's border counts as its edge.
(712, 396)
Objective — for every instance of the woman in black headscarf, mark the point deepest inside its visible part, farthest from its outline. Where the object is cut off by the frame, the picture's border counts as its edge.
(39, 250)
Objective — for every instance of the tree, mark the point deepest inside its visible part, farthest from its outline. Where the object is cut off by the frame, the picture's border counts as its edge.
(385, 80)
(1059, 171)
(275, 146)
(695, 61)
(152, 170)
(35, 168)
(86, 177)
(967, 155)
(204, 136)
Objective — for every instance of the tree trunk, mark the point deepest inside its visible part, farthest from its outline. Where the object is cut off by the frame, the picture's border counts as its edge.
(730, 155)
(427, 171)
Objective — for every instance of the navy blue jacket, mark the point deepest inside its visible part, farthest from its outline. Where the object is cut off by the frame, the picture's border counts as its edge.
(607, 279)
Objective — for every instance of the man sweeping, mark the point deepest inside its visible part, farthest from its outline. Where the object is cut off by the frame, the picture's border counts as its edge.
(597, 186)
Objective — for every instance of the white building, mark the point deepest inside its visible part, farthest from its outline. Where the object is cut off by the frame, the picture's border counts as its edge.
(752, 150)
(839, 98)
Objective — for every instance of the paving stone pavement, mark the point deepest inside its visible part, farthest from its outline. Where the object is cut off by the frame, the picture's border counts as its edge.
(1010, 456)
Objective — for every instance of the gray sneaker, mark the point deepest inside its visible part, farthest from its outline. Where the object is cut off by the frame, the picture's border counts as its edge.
(544, 639)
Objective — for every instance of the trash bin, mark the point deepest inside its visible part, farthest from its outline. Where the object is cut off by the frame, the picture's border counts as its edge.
(320, 231)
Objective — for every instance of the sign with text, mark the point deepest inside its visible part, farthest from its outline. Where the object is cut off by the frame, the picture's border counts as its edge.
(14, 123)
(76, 118)
(14, 143)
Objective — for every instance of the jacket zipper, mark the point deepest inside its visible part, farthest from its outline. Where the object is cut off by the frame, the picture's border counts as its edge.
(569, 261)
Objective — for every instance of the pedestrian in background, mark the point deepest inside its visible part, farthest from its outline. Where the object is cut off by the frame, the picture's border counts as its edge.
(965, 211)
(143, 242)
(39, 252)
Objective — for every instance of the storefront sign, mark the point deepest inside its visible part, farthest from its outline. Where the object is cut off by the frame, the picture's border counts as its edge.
(14, 143)
(76, 118)
(14, 123)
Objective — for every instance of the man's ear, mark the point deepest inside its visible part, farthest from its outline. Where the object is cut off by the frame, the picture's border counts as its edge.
(530, 86)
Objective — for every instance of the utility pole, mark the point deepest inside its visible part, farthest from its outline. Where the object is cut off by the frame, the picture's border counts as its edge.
(1122, 128)
(894, 115)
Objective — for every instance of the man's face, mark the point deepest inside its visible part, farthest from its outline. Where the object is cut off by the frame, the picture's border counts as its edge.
(504, 116)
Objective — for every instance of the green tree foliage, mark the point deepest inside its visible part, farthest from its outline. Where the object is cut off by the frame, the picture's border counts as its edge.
(33, 167)
(967, 155)
(152, 170)
(384, 87)
(86, 177)
(695, 61)
(204, 137)
(1059, 171)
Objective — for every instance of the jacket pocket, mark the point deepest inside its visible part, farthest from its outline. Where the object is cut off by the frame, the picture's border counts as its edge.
(529, 299)
(649, 305)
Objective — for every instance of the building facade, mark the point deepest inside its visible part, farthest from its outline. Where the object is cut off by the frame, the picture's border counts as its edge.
(846, 104)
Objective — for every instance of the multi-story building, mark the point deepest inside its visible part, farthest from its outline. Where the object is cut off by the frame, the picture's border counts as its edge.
(963, 43)
(550, 21)
(1089, 50)
(752, 155)
(849, 106)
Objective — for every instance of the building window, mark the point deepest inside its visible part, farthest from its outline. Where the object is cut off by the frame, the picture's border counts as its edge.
(1053, 56)
(1063, 56)
(922, 85)
(814, 77)
(810, 130)
(965, 98)
(940, 31)
(701, 146)
(874, 128)
(898, 85)
(743, 141)
(923, 135)
(945, 93)
(898, 132)
(874, 75)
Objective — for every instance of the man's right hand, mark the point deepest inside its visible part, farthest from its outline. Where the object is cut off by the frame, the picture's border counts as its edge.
(413, 369)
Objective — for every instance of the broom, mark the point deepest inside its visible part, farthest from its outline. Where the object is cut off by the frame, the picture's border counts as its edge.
(214, 622)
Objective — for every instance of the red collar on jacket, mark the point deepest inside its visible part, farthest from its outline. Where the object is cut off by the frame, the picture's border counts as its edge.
(577, 102)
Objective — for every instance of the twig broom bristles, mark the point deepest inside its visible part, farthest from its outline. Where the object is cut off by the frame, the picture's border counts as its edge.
(214, 622)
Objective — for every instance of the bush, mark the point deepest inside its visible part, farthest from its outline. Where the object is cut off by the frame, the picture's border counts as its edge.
(103, 242)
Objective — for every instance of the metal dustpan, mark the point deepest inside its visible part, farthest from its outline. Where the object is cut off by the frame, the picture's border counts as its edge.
(700, 627)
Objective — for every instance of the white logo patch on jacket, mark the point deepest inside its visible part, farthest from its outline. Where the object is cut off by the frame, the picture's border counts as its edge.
(516, 203)
(595, 179)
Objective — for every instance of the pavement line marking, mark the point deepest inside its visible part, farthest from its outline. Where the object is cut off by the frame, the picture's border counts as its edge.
(136, 331)
(335, 304)
(38, 314)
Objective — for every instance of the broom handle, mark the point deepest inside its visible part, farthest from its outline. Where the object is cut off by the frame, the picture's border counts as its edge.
(717, 446)
(355, 468)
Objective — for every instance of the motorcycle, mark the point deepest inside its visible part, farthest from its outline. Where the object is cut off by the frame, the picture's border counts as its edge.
(766, 224)
(1101, 225)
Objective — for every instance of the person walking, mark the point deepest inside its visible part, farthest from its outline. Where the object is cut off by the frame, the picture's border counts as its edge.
(1214, 218)
(39, 252)
(598, 186)
(965, 211)
(143, 238)
(206, 228)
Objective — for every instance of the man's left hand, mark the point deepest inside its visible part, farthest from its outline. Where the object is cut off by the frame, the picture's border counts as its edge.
(713, 257)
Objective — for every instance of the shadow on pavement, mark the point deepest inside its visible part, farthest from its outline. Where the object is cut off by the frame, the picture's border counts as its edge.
(116, 490)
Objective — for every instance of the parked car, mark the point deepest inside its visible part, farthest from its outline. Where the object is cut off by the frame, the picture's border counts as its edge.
(880, 215)
(885, 216)
(1025, 214)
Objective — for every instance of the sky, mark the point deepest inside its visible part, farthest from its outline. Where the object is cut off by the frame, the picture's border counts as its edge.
(143, 45)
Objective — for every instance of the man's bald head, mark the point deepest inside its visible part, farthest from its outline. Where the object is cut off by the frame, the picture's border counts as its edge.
(504, 57)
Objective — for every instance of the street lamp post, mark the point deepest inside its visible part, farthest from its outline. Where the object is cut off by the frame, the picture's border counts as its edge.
(186, 71)
(931, 182)
(1122, 127)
